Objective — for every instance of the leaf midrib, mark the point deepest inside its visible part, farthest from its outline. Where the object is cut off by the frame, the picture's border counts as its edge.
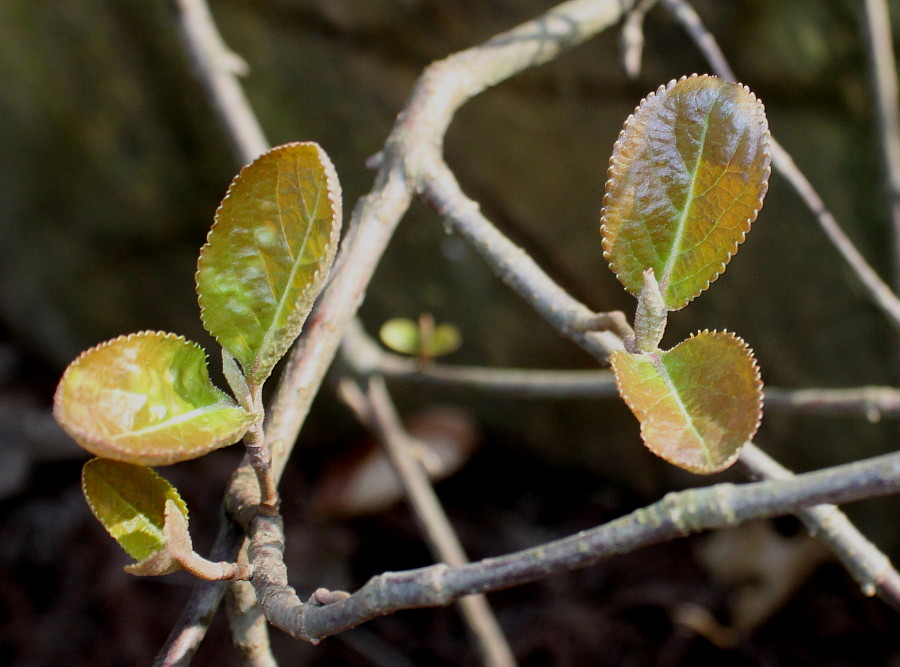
(680, 228)
(173, 421)
(295, 266)
(682, 408)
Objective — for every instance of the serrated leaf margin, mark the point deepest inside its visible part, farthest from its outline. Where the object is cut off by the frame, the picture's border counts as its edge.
(102, 449)
(256, 374)
(643, 415)
(170, 494)
(613, 172)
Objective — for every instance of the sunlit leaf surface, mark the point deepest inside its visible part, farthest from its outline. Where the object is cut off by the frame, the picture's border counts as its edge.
(129, 500)
(146, 398)
(687, 178)
(268, 254)
(697, 403)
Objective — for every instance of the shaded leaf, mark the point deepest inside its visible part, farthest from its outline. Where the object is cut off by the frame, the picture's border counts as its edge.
(687, 177)
(268, 254)
(408, 337)
(130, 502)
(176, 549)
(146, 398)
(697, 403)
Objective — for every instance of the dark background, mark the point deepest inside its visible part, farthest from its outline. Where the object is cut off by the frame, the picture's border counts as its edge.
(112, 164)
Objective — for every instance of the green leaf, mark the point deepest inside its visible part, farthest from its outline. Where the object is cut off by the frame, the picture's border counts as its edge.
(129, 501)
(421, 338)
(687, 177)
(401, 335)
(268, 254)
(146, 398)
(697, 403)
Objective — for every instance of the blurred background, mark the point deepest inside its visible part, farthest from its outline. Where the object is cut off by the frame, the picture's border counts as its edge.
(112, 165)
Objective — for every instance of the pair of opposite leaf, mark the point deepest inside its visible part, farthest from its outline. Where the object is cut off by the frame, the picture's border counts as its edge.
(687, 178)
(146, 399)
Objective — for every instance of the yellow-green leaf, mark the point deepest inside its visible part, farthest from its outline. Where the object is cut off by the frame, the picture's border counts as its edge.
(697, 403)
(424, 339)
(147, 399)
(687, 177)
(129, 501)
(268, 254)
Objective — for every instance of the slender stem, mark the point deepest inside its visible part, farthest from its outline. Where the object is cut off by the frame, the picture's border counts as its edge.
(875, 287)
(249, 631)
(678, 514)
(885, 93)
(191, 626)
(869, 566)
(871, 402)
(217, 67)
(512, 264)
(375, 408)
(366, 357)
(632, 40)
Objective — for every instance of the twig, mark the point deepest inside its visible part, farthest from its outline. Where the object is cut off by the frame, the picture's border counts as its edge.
(249, 631)
(877, 23)
(632, 39)
(189, 630)
(871, 402)
(365, 357)
(512, 264)
(676, 515)
(876, 288)
(217, 67)
(375, 408)
(868, 565)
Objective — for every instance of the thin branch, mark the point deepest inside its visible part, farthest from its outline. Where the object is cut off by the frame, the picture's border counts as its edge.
(873, 403)
(632, 39)
(191, 626)
(249, 629)
(365, 357)
(513, 265)
(375, 408)
(217, 68)
(868, 565)
(877, 23)
(676, 515)
(876, 288)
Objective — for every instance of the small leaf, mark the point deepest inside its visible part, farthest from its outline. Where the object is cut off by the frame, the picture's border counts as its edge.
(444, 340)
(697, 403)
(401, 335)
(687, 177)
(268, 254)
(146, 398)
(129, 501)
(421, 338)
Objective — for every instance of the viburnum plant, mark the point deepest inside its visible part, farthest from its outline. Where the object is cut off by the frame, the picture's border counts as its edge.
(146, 399)
(687, 178)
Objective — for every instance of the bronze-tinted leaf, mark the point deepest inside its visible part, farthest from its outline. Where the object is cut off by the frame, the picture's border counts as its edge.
(687, 178)
(697, 403)
(129, 501)
(268, 254)
(146, 398)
